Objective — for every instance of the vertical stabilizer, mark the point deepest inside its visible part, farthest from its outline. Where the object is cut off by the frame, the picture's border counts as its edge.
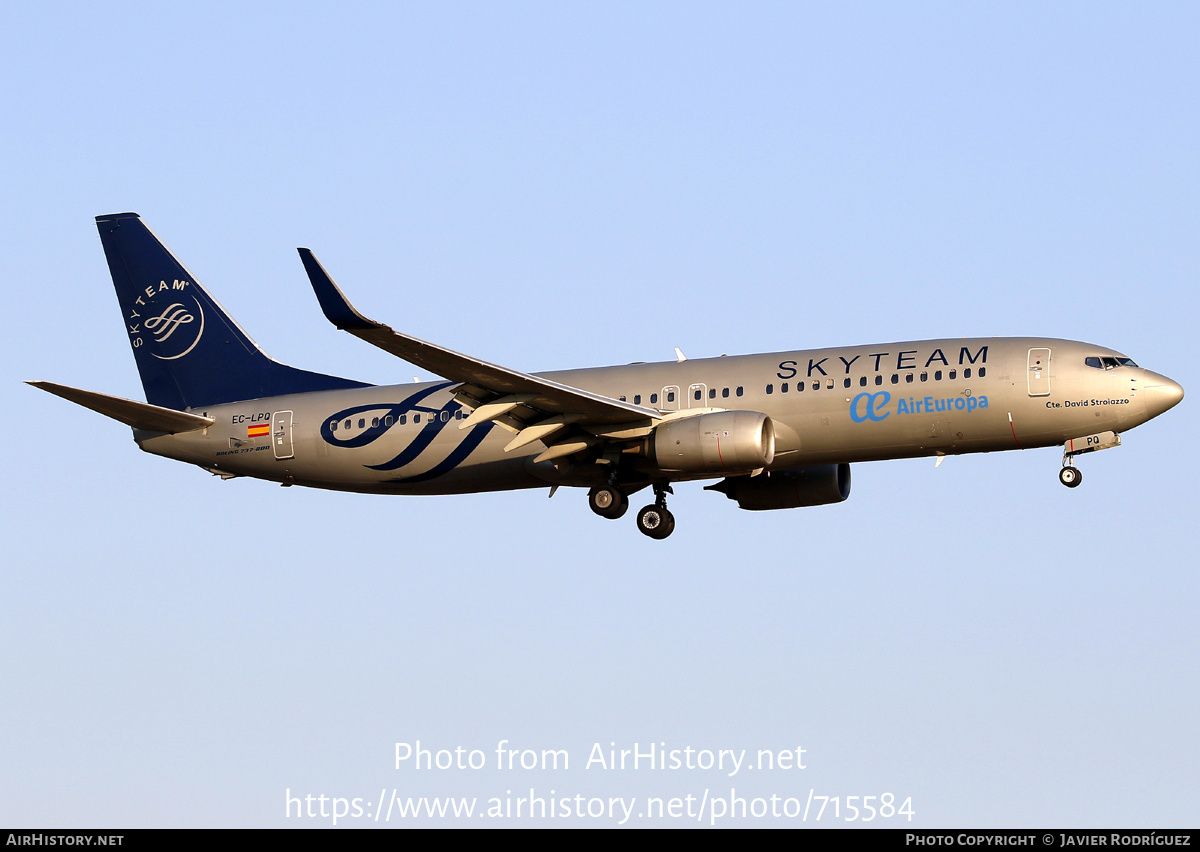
(190, 353)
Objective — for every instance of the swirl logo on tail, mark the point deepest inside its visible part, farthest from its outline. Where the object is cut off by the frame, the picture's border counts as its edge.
(164, 325)
(169, 321)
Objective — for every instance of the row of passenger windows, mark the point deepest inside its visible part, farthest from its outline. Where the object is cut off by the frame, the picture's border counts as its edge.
(669, 396)
(444, 416)
(862, 380)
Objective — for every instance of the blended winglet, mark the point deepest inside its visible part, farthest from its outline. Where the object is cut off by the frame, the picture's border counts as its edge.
(333, 301)
(539, 394)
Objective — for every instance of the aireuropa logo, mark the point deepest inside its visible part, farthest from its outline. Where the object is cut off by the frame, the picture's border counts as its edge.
(176, 328)
(866, 406)
(869, 406)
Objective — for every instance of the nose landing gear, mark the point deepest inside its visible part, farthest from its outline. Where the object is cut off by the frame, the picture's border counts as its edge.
(1070, 475)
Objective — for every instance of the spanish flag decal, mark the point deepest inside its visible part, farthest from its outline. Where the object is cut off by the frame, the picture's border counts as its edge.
(259, 431)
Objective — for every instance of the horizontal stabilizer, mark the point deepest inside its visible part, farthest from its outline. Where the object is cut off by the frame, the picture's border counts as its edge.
(139, 415)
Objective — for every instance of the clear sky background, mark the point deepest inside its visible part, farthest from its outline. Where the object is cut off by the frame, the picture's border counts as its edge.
(559, 185)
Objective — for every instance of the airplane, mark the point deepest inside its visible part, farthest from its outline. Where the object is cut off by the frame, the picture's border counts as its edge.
(778, 430)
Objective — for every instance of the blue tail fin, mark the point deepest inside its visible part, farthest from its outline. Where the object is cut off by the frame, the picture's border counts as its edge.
(189, 352)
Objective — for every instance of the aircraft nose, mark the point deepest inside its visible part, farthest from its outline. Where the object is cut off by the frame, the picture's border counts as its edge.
(1161, 394)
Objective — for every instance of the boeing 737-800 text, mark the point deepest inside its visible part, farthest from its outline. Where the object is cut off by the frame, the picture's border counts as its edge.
(779, 430)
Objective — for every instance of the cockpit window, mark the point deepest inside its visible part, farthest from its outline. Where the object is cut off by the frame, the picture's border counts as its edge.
(1106, 363)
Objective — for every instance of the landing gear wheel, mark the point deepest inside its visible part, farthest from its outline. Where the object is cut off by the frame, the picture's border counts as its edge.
(1070, 477)
(608, 502)
(656, 522)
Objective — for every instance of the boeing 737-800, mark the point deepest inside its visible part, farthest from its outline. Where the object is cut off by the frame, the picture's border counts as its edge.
(779, 430)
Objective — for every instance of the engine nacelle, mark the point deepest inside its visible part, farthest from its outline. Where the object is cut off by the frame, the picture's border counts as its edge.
(724, 441)
(788, 489)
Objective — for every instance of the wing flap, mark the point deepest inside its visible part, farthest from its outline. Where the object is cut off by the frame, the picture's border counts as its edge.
(566, 448)
(541, 431)
(496, 409)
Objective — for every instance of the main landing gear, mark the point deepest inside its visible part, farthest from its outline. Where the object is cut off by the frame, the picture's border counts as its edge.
(609, 501)
(654, 520)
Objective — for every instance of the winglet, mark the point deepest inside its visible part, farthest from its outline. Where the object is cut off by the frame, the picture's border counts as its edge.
(334, 303)
(548, 396)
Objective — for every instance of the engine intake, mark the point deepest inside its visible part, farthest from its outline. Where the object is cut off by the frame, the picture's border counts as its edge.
(721, 442)
(788, 489)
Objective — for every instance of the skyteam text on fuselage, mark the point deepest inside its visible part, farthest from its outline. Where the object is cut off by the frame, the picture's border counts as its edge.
(779, 430)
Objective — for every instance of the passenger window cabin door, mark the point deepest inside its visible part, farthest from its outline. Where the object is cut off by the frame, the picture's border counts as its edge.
(696, 394)
(281, 434)
(1039, 372)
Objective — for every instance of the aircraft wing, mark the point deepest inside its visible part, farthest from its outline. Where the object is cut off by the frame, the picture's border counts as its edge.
(497, 393)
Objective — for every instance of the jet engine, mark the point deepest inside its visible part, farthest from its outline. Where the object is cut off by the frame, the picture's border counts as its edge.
(788, 489)
(724, 441)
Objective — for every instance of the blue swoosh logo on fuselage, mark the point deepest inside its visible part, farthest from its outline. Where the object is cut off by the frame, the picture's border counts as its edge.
(419, 444)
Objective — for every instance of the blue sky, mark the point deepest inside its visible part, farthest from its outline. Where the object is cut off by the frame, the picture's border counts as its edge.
(558, 185)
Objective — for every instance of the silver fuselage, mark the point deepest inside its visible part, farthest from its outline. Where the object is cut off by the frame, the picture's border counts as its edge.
(848, 404)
